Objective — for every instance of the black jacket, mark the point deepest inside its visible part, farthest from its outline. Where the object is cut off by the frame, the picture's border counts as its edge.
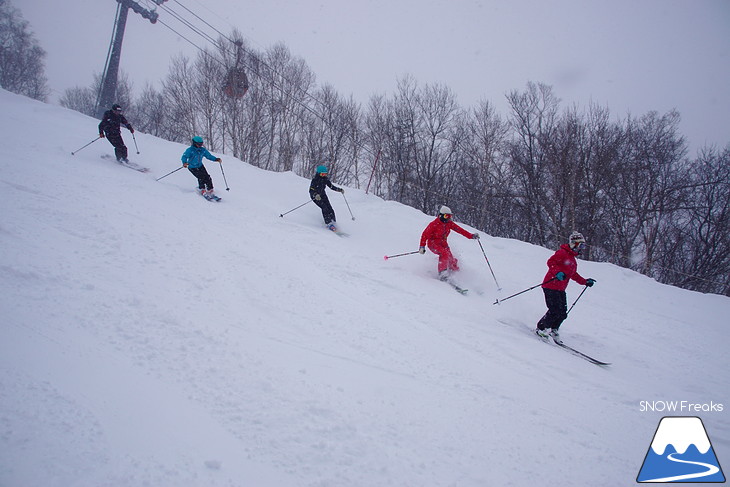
(318, 184)
(111, 121)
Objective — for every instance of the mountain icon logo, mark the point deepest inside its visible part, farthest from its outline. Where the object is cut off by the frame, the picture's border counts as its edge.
(680, 452)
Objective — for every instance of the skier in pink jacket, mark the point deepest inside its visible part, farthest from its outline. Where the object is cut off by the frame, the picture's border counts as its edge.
(562, 267)
(435, 235)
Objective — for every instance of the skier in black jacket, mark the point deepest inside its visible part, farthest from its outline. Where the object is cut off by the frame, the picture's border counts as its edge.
(318, 195)
(110, 126)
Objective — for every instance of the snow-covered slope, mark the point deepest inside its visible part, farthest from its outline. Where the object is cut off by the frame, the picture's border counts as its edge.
(150, 337)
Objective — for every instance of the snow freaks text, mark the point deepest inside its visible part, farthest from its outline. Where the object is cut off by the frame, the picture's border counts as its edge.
(680, 407)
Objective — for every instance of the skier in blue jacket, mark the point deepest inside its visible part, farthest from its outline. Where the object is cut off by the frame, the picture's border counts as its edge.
(192, 158)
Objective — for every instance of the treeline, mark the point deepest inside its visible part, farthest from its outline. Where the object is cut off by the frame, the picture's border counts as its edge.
(534, 174)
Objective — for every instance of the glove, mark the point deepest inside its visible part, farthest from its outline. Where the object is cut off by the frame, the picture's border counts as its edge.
(560, 276)
(185, 164)
(475, 236)
(421, 250)
(131, 129)
(590, 282)
(101, 135)
(341, 190)
(219, 160)
(317, 197)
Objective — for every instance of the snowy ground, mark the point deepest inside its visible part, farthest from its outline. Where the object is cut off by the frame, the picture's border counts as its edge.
(152, 338)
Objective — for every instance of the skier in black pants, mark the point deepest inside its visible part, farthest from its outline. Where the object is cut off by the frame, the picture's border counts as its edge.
(110, 126)
(192, 158)
(562, 267)
(318, 195)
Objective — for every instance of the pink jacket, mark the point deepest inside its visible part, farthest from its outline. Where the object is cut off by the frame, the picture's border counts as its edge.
(563, 260)
(437, 232)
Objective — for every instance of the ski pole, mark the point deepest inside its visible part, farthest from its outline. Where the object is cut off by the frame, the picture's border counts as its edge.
(348, 205)
(576, 300)
(77, 150)
(176, 170)
(224, 176)
(386, 257)
(135, 142)
(528, 289)
(490, 265)
(294, 208)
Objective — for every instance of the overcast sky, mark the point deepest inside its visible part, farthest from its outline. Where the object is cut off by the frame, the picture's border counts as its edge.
(629, 55)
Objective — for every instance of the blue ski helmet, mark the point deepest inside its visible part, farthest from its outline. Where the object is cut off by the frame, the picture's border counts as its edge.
(197, 141)
(321, 169)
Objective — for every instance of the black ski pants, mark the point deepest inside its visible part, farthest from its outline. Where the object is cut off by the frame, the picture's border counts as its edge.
(204, 179)
(328, 213)
(557, 309)
(115, 139)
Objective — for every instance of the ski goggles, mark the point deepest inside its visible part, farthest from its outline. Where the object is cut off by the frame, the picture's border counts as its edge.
(580, 246)
(446, 216)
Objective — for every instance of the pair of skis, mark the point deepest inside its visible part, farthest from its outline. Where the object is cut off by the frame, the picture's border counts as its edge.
(559, 343)
(137, 167)
(573, 351)
(211, 197)
(333, 228)
(131, 165)
(456, 288)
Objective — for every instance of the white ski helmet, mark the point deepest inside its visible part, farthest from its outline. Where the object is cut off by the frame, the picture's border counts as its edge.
(445, 210)
(575, 239)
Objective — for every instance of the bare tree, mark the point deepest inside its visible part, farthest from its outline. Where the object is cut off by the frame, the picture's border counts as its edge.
(178, 92)
(151, 112)
(21, 58)
(328, 135)
(388, 128)
(694, 248)
(533, 122)
(207, 98)
(598, 142)
(484, 183)
(418, 134)
(647, 187)
(376, 119)
(80, 99)
(437, 136)
(286, 87)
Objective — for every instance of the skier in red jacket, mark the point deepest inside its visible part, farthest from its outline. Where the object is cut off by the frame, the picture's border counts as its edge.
(435, 236)
(562, 266)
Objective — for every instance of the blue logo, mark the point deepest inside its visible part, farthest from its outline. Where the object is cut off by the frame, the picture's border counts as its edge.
(681, 452)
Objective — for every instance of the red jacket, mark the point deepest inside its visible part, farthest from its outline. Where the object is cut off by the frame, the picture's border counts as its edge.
(437, 232)
(563, 260)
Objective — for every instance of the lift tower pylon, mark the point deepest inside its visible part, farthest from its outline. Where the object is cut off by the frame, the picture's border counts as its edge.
(109, 79)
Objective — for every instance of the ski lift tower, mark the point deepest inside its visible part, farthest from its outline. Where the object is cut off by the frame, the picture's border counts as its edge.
(108, 90)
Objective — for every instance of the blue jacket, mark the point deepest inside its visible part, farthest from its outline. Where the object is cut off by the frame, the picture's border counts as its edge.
(193, 156)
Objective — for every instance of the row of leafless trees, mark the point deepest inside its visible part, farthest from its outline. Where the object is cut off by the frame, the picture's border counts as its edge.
(535, 174)
(543, 171)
